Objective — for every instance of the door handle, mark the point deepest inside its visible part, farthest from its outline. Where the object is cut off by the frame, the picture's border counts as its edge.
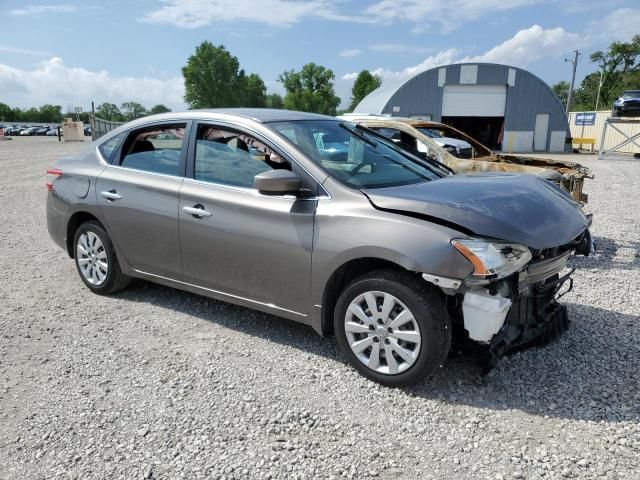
(197, 211)
(110, 195)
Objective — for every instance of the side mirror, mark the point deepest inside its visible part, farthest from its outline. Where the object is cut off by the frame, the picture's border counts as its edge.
(277, 182)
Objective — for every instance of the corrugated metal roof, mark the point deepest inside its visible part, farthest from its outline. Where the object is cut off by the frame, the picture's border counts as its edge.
(376, 100)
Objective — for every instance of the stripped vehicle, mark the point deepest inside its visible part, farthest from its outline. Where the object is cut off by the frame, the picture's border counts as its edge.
(419, 135)
(323, 222)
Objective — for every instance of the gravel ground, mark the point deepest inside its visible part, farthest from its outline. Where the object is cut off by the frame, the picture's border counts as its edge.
(157, 383)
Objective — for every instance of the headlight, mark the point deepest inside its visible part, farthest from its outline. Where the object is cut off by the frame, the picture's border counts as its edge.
(492, 260)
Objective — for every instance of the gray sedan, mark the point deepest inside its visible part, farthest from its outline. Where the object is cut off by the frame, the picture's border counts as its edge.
(324, 222)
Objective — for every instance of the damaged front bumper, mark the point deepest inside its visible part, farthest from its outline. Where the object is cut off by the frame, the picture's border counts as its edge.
(520, 310)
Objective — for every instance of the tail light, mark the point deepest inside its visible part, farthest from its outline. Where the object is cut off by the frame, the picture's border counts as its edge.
(52, 176)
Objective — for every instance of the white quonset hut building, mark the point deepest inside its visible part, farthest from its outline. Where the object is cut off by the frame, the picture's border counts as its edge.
(504, 107)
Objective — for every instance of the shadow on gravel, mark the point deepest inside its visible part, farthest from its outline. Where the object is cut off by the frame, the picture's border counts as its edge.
(589, 373)
(608, 255)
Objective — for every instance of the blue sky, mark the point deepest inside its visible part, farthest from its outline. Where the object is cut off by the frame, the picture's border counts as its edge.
(72, 52)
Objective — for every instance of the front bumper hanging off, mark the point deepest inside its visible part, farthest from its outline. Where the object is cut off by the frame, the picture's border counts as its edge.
(535, 317)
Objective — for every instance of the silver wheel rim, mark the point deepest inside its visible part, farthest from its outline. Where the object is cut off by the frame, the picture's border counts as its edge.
(92, 258)
(382, 332)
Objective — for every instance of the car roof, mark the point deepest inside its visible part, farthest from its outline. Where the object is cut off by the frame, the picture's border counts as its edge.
(265, 115)
(383, 118)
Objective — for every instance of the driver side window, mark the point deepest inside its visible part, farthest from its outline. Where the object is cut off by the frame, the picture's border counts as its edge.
(232, 158)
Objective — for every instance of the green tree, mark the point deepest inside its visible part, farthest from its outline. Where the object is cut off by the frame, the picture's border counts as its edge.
(133, 110)
(561, 89)
(212, 78)
(6, 113)
(365, 83)
(310, 90)
(50, 113)
(618, 69)
(30, 115)
(275, 101)
(159, 109)
(254, 91)
(109, 111)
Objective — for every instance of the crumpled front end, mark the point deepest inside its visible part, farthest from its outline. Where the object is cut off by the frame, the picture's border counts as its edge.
(520, 309)
(570, 175)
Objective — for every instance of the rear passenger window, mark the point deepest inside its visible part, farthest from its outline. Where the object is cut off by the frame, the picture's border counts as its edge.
(156, 149)
(109, 148)
(232, 158)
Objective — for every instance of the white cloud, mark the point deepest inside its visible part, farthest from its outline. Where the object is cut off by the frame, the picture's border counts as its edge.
(350, 76)
(443, 57)
(23, 51)
(621, 24)
(351, 52)
(51, 81)
(447, 15)
(278, 13)
(37, 9)
(530, 45)
(398, 48)
(525, 47)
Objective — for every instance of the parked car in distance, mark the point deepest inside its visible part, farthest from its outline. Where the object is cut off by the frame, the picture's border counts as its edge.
(87, 131)
(42, 131)
(352, 235)
(28, 131)
(13, 130)
(52, 132)
(627, 105)
(418, 135)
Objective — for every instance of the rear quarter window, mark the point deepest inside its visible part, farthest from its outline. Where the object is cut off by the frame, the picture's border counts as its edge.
(109, 148)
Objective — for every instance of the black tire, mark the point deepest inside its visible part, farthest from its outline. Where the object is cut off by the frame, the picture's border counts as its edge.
(428, 309)
(115, 280)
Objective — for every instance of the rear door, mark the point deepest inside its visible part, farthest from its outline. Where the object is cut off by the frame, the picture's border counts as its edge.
(138, 194)
(244, 244)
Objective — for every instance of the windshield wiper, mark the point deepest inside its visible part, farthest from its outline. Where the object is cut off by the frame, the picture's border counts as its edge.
(358, 134)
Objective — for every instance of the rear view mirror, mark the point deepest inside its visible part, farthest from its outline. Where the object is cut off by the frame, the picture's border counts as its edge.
(277, 182)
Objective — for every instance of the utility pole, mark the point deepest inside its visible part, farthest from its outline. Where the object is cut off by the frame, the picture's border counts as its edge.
(574, 61)
(599, 87)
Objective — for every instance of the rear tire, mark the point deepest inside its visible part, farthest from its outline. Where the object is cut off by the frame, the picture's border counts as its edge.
(96, 260)
(405, 339)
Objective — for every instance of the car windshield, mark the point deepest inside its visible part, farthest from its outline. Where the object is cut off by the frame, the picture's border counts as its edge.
(354, 156)
(431, 132)
(626, 95)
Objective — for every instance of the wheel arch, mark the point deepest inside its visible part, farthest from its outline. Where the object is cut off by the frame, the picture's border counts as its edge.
(342, 276)
(77, 219)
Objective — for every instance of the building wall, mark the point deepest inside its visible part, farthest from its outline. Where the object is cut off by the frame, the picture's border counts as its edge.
(528, 96)
(612, 139)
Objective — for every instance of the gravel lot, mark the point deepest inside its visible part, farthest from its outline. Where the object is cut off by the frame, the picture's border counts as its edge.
(157, 383)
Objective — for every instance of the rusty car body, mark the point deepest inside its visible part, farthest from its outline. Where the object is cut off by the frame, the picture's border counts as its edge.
(411, 133)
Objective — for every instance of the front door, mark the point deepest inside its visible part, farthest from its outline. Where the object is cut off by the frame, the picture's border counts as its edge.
(139, 196)
(238, 242)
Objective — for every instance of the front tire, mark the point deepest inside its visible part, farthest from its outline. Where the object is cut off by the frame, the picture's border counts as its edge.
(96, 260)
(393, 327)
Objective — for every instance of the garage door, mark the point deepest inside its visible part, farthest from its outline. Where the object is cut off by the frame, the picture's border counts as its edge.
(474, 100)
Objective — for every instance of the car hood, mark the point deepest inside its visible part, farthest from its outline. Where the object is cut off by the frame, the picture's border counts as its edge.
(451, 141)
(518, 208)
